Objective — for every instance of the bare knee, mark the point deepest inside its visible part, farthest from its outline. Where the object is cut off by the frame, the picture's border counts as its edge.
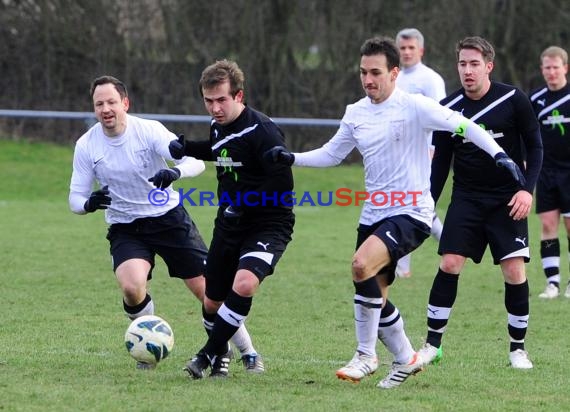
(452, 264)
(359, 269)
(514, 270)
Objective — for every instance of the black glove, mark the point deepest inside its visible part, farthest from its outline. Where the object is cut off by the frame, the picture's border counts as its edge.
(99, 199)
(164, 177)
(502, 160)
(279, 154)
(176, 148)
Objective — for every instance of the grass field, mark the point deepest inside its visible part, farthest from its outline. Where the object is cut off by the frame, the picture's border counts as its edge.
(61, 337)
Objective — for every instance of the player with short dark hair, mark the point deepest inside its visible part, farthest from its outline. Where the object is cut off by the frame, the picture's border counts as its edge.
(487, 207)
(255, 218)
(551, 103)
(126, 156)
(389, 127)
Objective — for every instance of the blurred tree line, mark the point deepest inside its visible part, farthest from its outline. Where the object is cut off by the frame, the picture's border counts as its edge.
(300, 57)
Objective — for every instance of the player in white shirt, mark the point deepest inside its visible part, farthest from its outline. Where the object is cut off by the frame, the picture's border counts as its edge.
(389, 127)
(416, 77)
(126, 156)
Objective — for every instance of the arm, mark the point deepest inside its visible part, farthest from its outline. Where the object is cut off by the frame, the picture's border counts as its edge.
(437, 117)
(330, 154)
(179, 148)
(189, 166)
(531, 139)
(81, 199)
(441, 163)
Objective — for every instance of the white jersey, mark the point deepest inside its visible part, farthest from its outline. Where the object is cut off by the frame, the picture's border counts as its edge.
(391, 137)
(422, 80)
(125, 163)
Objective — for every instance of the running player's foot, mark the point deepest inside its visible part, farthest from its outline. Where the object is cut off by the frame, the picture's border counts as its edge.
(400, 372)
(551, 292)
(198, 365)
(519, 359)
(221, 365)
(430, 354)
(359, 366)
(253, 363)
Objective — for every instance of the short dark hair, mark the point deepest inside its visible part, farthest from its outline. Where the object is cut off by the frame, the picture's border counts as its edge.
(119, 85)
(221, 71)
(382, 45)
(477, 43)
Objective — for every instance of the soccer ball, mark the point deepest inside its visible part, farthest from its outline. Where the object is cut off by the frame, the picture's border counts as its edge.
(149, 339)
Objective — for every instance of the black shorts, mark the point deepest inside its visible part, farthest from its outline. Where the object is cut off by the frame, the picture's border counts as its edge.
(255, 244)
(472, 224)
(401, 234)
(173, 236)
(553, 191)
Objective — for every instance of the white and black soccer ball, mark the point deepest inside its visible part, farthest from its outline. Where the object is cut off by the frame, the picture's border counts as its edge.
(149, 339)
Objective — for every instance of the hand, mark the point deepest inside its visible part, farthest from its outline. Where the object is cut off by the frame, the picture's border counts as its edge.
(279, 154)
(176, 148)
(520, 204)
(502, 160)
(99, 199)
(164, 177)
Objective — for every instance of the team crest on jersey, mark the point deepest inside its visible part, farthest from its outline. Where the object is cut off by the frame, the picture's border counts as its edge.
(397, 129)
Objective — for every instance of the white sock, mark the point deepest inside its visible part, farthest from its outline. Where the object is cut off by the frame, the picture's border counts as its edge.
(147, 310)
(242, 341)
(395, 340)
(404, 264)
(366, 321)
(436, 228)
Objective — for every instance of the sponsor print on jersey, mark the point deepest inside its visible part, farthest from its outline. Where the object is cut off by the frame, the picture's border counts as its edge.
(225, 161)
(557, 120)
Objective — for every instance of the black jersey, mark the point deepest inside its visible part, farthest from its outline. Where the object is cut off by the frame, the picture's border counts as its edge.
(552, 108)
(506, 113)
(245, 178)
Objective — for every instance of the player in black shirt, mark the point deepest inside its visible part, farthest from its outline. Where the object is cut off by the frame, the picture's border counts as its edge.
(487, 207)
(551, 103)
(255, 217)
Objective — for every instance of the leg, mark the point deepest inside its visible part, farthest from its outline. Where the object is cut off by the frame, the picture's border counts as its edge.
(391, 333)
(370, 257)
(404, 266)
(566, 218)
(196, 285)
(436, 227)
(241, 339)
(550, 253)
(132, 277)
(517, 305)
(441, 299)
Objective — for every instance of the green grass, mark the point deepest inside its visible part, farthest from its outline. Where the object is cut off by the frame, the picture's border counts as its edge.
(61, 338)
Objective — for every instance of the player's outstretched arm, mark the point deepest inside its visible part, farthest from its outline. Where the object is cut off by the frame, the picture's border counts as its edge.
(279, 154)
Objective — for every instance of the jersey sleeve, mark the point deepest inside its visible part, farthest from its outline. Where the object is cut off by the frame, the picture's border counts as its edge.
(331, 153)
(532, 141)
(441, 162)
(82, 178)
(437, 117)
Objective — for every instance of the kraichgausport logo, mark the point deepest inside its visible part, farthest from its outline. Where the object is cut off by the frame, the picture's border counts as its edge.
(340, 197)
